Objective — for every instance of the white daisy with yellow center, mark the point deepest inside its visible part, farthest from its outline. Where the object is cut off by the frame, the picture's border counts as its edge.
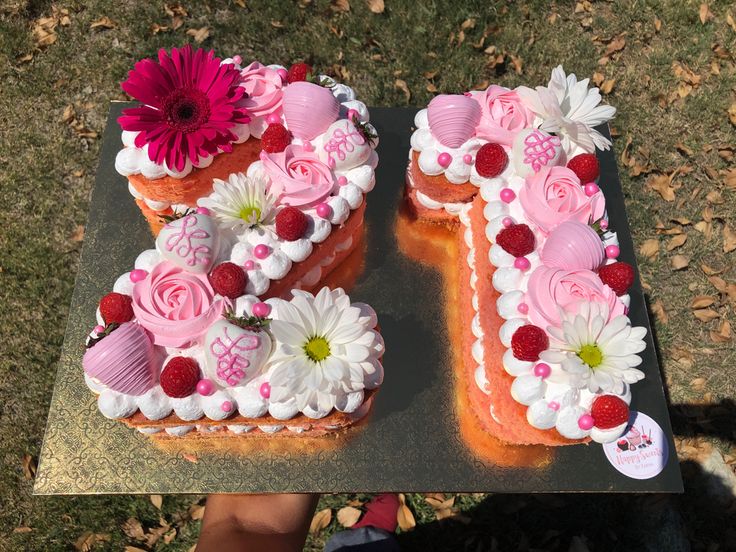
(241, 202)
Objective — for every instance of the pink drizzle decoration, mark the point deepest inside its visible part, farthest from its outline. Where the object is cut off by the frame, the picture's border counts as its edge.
(231, 366)
(540, 149)
(181, 243)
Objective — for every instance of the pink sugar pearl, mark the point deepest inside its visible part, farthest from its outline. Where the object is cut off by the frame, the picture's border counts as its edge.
(591, 188)
(261, 310)
(137, 275)
(586, 422)
(542, 370)
(444, 159)
(342, 180)
(226, 406)
(249, 265)
(205, 387)
(468, 159)
(261, 251)
(265, 390)
(612, 251)
(237, 60)
(553, 405)
(99, 329)
(507, 195)
(203, 211)
(323, 210)
(284, 74)
(308, 146)
(507, 222)
(353, 114)
(604, 224)
(523, 308)
(273, 119)
(522, 263)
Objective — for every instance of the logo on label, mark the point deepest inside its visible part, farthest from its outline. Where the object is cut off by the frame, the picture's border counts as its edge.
(642, 452)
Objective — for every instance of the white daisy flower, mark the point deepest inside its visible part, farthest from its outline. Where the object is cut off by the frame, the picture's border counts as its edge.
(570, 110)
(597, 353)
(325, 354)
(241, 202)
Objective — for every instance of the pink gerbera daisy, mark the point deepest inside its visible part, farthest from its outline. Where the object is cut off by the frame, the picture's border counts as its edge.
(190, 104)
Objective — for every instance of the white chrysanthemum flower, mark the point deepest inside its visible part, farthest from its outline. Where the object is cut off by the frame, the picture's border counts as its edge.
(325, 351)
(570, 110)
(241, 202)
(597, 353)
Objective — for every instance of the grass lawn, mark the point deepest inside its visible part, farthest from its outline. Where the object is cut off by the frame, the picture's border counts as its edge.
(669, 68)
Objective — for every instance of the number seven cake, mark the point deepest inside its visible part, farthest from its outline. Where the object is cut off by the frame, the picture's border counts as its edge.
(546, 336)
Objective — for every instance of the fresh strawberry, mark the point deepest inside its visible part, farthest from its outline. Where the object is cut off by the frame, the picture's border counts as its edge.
(516, 240)
(585, 166)
(228, 279)
(291, 223)
(179, 377)
(618, 276)
(609, 411)
(491, 160)
(528, 341)
(275, 138)
(116, 308)
(299, 72)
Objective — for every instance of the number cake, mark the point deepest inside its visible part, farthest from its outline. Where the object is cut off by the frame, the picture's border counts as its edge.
(546, 339)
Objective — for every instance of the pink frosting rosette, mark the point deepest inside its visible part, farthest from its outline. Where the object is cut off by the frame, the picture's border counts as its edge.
(176, 306)
(552, 289)
(264, 88)
(554, 195)
(503, 114)
(298, 177)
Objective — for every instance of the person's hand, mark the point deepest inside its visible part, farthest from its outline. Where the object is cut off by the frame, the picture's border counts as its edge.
(273, 523)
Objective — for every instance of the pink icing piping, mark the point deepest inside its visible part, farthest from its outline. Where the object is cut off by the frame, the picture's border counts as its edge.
(231, 366)
(181, 243)
(540, 149)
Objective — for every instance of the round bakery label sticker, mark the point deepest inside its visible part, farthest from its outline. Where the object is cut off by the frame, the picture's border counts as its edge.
(642, 452)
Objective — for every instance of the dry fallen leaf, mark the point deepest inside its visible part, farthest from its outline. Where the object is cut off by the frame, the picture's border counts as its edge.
(348, 516)
(706, 315)
(657, 24)
(732, 113)
(659, 312)
(22, 529)
(698, 384)
(133, 528)
(723, 334)
(676, 241)
(704, 13)
(662, 184)
(103, 23)
(133, 549)
(680, 261)
(650, 248)
(404, 516)
(730, 21)
(320, 520)
(401, 85)
(196, 511)
(729, 239)
(376, 6)
(29, 466)
(340, 6)
(157, 500)
(607, 86)
(701, 302)
(199, 35)
(88, 539)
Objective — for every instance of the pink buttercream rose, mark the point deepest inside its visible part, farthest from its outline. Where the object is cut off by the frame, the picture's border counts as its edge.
(503, 115)
(298, 177)
(551, 289)
(264, 88)
(554, 195)
(176, 306)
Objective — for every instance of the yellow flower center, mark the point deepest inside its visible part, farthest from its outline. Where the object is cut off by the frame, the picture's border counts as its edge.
(251, 214)
(317, 349)
(591, 355)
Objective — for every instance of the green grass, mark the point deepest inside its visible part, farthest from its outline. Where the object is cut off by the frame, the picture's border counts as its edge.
(47, 170)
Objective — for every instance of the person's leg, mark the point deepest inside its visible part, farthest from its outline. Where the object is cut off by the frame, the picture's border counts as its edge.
(256, 522)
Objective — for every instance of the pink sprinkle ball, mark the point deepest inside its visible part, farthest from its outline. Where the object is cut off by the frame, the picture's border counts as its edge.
(273, 119)
(591, 188)
(324, 211)
(522, 263)
(99, 329)
(553, 405)
(468, 159)
(604, 224)
(444, 159)
(284, 74)
(507, 222)
(205, 387)
(612, 251)
(507, 195)
(542, 370)
(261, 251)
(308, 146)
(523, 308)
(586, 422)
(342, 180)
(237, 60)
(261, 310)
(249, 265)
(226, 406)
(137, 275)
(353, 114)
(265, 390)
(203, 211)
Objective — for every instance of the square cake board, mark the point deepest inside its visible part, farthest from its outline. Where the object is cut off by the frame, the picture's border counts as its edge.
(411, 441)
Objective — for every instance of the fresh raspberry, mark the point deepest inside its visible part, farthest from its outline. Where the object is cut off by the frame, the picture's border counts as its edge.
(491, 160)
(528, 341)
(585, 166)
(179, 377)
(291, 223)
(228, 279)
(275, 138)
(517, 240)
(618, 276)
(116, 308)
(609, 411)
(298, 72)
